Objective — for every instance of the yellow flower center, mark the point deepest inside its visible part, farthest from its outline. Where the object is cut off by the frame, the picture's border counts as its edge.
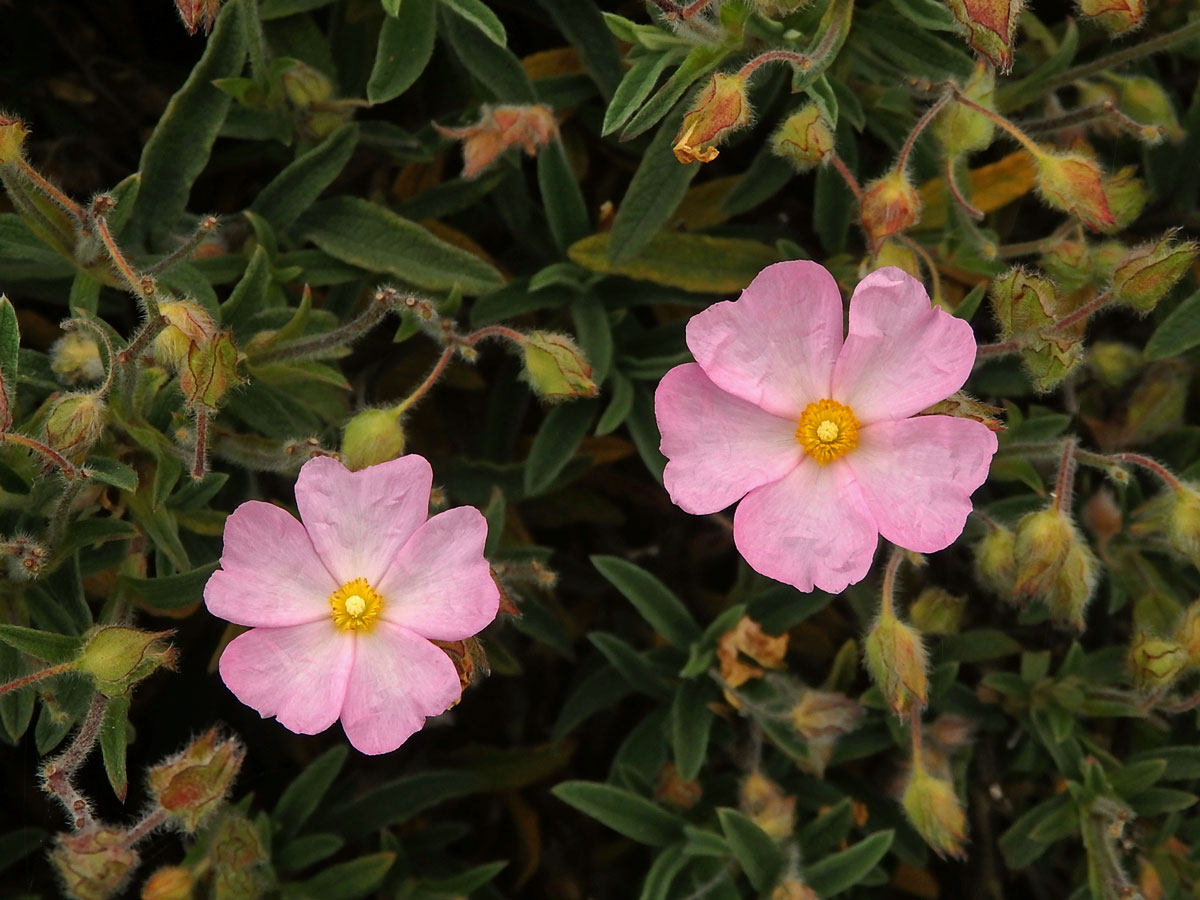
(355, 606)
(827, 430)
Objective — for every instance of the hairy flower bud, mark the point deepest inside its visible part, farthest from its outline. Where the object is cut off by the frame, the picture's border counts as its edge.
(1127, 195)
(805, 139)
(239, 860)
(1115, 363)
(1155, 662)
(116, 657)
(1075, 184)
(198, 13)
(210, 372)
(169, 883)
(187, 323)
(766, 804)
(937, 611)
(1055, 565)
(933, 807)
(12, 138)
(556, 368)
(897, 661)
(1187, 632)
(191, 785)
(990, 26)
(1183, 523)
(1102, 516)
(1069, 263)
(961, 129)
(74, 423)
(75, 357)
(889, 204)
(721, 106)
(670, 787)
(1028, 305)
(793, 889)
(1116, 16)
(95, 863)
(1147, 272)
(373, 436)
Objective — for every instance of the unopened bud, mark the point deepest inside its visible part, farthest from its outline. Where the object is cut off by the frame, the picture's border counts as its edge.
(937, 611)
(304, 85)
(1055, 565)
(1143, 99)
(933, 807)
(116, 658)
(191, 785)
(890, 204)
(74, 424)
(720, 108)
(805, 139)
(1183, 523)
(897, 661)
(75, 357)
(1187, 633)
(1147, 272)
(239, 859)
(792, 889)
(1075, 184)
(766, 804)
(1127, 195)
(1027, 305)
(210, 371)
(12, 138)
(1155, 662)
(961, 129)
(893, 253)
(1116, 16)
(824, 714)
(556, 368)
(671, 788)
(95, 863)
(1114, 362)
(187, 323)
(1069, 263)
(990, 26)
(169, 883)
(25, 557)
(198, 13)
(1102, 516)
(373, 436)
(995, 561)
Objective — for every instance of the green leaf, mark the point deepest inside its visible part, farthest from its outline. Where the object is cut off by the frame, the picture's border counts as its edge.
(179, 147)
(663, 872)
(1178, 332)
(651, 598)
(350, 880)
(969, 305)
(623, 811)
(1183, 763)
(1011, 96)
(561, 433)
(16, 845)
(594, 333)
(297, 187)
(691, 723)
(463, 883)
(977, 645)
(643, 428)
(479, 15)
(582, 23)
(492, 64)
(89, 532)
(302, 797)
(566, 211)
(375, 239)
(600, 690)
(634, 88)
(399, 800)
(843, 870)
(405, 47)
(308, 850)
(114, 738)
(250, 295)
(618, 407)
(699, 62)
(693, 262)
(160, 526)
(45, 645)
(10, 339)
(111, 471)
(756, 852)
(633, 666)
(166, 593)
(281, 9)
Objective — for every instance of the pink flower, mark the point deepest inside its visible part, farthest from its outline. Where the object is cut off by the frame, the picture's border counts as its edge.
(343, 608)
(819, 434)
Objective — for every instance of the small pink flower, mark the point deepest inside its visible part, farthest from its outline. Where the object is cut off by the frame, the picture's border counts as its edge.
(819, 434)
(343, 608)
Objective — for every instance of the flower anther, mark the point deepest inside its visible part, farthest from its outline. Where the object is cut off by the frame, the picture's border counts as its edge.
(355, 605)
(827, 430)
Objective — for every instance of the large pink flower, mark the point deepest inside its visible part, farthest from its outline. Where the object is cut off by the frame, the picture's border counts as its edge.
(343, 608)
(819, 434)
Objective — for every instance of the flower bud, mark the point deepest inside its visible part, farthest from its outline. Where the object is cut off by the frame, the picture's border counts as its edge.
(373, 436)
(949, 733)
(12, 138)
(169, 883)
(1183, 523)
(1102, 516)
(1187, 632)
(767, 805)
(1144, 99)
(721, 107)
(1115, 363)
(892, 253)
(95, 863)
(556, 368)
(1127, 195)
(74, 424)
(187, 323)
(792, 889)
(1055, 565)
(1155, 662)
(937, 611)
(116, 658)
(239, 860)
(1027, 305)
(1147, 272)
(670, 788)
(197, 13)
(961, 129)
(75, 357)
(191, 785)
(933, 807)
(1116, 16)
(889, 204)
(304, 85)
(1106, 257)
(896, 659)
(990, 26)
(1076, 185)
(1069, 263)
(995, 561)
(210, 371)
(805, 139)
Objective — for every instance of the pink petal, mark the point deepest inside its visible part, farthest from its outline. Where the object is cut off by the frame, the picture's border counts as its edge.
(901, 355)
(399, 678)
(270, 574)
(440, 585)
(917, 476)
(358, 521)
(718, 446)
(774, 346)
(809, 529)
(297, 674)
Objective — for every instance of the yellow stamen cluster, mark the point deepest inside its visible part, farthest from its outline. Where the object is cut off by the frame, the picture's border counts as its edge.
(827, 430)
(355, 606)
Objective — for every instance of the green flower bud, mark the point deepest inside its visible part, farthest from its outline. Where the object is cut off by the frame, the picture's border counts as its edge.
(805, 139)
(94, 863)
(239, 859)
(1187, 633)
(937, 611)
(1155, 662)
(1144, 100)
(373, 436)
(75, 357)
(1069, 263)
(169, 883)
(116, 657)
(193, 784)
(74, 424)
(897, 661)
(1055, 565)
(1183, 524)
(1127, 195)
(995, 562)
(1114, 362)
(890, 204)
(303, 85)
(1075, 184)
(1116, 16)
(210, 371)
(188, 323)
(933, 807)
(718, 109)
(12, 138)
(556, 368)
(1147, 272)
(990, 26)
(1028, 305)
(961, 129)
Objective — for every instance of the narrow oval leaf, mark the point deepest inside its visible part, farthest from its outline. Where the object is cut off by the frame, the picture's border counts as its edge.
(405, 47)
(350, 880)
(843, 870)
(623, 811)
(479, 15)
(651, 598)
(304, 794)
(693, 262)
(114, 728)
(561, 433)
(756, 852)
(297, 187)
(1178, 332)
